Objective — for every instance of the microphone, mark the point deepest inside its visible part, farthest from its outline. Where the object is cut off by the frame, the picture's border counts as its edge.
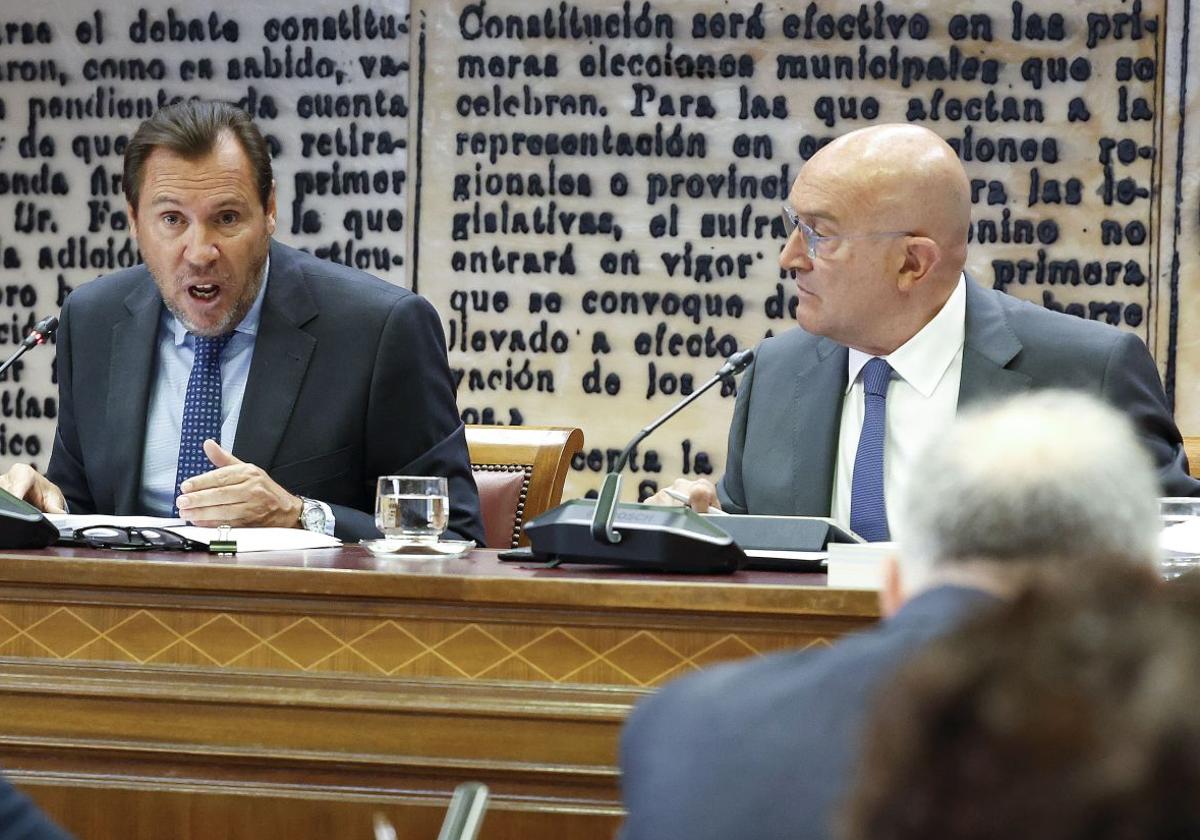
(39, 334)
(606, 504)
(650, 538)
(464, 817)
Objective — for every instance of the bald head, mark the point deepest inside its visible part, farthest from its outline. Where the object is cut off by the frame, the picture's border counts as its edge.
(906, 178)
(889, 206)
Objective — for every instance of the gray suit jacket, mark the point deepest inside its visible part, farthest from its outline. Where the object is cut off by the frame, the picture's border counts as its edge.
(765, 749)
(790, 400)
(349, 381)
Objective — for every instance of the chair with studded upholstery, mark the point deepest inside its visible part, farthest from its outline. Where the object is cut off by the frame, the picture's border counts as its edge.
(1191, 446)
(520, 472)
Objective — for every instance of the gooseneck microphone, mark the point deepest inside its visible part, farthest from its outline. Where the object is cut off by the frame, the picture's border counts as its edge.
(39, 334)
(606, 504)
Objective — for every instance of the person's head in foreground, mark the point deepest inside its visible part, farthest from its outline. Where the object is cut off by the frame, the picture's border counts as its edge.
(1030, 482)
(1071, 713)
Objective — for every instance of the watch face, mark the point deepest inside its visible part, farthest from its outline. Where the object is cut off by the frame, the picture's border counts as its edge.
(314, 516)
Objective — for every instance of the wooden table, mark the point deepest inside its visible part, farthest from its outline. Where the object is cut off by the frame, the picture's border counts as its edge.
(192, 696)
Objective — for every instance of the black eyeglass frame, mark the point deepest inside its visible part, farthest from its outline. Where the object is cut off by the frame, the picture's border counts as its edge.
(136, 538)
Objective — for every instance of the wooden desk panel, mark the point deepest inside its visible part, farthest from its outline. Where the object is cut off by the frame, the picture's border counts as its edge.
(331, 684)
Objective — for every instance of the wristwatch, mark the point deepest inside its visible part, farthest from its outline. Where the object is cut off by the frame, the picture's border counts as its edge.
(312, 515)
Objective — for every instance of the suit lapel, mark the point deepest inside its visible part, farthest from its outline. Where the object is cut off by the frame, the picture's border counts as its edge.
(990, 345)
(131, 366)
(817, 404)
(282, 351)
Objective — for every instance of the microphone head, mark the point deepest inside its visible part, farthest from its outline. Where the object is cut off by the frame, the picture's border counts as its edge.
(40, 332)
(737, 363)
(741, 360)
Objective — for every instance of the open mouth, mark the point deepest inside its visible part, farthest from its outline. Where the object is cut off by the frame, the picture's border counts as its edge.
(204, 291)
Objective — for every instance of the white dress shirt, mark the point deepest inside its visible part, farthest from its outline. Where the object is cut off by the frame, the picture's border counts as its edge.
(921, 401)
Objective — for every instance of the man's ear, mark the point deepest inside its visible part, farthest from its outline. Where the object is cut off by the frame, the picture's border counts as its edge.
(921, 254)
(891, 593)
(270, 211)
(131, 214)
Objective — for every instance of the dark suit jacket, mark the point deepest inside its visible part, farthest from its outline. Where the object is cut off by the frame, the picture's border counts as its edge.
(790, 400)
(765, 749)
(20, 819)
(349, 381)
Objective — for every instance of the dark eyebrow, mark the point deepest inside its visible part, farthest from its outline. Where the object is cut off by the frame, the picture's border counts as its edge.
(226, 203)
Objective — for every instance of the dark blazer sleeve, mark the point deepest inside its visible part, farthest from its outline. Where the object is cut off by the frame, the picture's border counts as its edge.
(413, 427)
(1131, 382)
(20, 819)
(66, 458)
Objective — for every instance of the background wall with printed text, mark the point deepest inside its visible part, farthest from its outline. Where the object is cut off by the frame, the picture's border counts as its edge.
(589, 191)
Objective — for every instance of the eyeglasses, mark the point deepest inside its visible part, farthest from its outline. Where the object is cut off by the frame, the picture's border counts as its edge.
(124, 538)
(814, 241)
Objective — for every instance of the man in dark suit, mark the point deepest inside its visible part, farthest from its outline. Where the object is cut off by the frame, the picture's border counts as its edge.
(20, 819)
(766, 749)
(233, 379)
(880, 221)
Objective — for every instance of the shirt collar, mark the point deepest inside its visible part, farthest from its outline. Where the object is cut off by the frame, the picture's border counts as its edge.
(923, 359)
(248, 325)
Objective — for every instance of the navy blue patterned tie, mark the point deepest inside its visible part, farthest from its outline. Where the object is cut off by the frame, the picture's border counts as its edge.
(868, 514)
(201, 411)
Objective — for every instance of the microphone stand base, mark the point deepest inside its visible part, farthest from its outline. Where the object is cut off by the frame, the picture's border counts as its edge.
(653, 539)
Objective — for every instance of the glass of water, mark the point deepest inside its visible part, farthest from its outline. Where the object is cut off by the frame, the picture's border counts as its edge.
(414, 508)
(1177, 509)
(1181, 539)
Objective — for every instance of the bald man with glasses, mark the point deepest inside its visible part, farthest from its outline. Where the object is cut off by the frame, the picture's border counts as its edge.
(894, 338)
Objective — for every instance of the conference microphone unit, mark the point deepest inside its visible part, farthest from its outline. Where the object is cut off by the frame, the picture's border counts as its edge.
(647, 537)
(21, 524)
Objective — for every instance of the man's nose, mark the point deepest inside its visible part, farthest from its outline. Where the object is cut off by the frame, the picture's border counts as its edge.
(201, 245)
(794, 256)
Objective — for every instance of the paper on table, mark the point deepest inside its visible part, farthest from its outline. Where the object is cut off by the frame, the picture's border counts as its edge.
(1183, 538)
(858, 565)
(84, 520)
(261, 539)
(784, 554)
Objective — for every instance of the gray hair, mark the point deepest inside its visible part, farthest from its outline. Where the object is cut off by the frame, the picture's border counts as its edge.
(1041, 476)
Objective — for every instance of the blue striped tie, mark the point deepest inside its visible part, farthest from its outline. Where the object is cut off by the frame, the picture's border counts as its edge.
(868, 513)
(201, 411)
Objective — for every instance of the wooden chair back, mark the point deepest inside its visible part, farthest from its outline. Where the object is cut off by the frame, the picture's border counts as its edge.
(520, 472)
(1191, 446)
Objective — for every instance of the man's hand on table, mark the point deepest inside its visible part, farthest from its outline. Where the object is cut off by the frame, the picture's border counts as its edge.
(24, 482)
(238, 494)
(701, 495)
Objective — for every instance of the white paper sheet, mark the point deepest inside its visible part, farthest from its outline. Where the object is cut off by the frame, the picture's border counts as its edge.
(85, 520)
(262, 539)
